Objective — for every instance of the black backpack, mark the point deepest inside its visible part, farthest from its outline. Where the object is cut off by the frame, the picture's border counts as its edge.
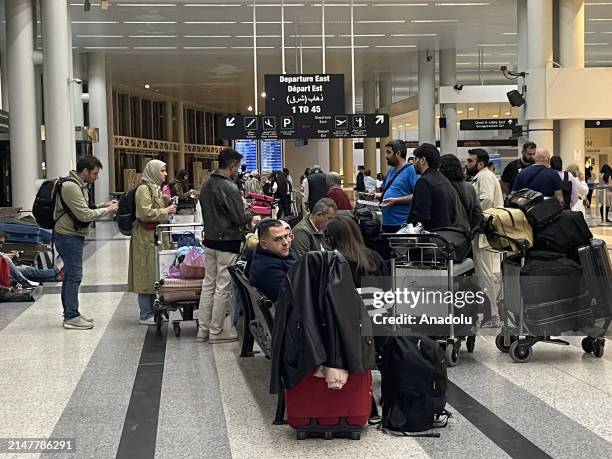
(566, 189)
(44, 204)
(126, 212)
(413, 385)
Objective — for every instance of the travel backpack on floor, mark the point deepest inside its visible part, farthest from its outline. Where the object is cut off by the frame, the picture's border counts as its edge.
(126, 211)
(44, 204)
(414, 384)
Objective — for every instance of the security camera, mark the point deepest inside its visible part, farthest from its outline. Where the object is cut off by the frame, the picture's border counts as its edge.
(458, 87)
(75, 80)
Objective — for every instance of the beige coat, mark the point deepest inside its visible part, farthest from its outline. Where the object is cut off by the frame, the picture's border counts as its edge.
(149, 208)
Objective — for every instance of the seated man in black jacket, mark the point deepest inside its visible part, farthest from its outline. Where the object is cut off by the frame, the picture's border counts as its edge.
(435, 202)
(272, 258)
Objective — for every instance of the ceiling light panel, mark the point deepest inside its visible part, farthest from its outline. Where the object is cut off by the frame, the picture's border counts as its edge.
(151, 36)
(146, 5)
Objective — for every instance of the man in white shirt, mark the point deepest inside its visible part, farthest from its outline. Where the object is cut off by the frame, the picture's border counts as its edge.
(486, 263)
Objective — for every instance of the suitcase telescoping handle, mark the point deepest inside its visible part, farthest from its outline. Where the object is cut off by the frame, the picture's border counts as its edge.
(420, 238)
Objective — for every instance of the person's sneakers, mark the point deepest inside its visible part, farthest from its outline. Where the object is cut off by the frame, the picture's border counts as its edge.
(87, 319)
(149, 321)
(223, 337)
(78, 323)
(493, 322)
(202, 336)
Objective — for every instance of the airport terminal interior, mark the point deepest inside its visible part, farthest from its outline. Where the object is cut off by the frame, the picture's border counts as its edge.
(109, 337)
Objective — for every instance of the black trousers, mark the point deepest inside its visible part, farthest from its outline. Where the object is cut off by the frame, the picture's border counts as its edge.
(601, 213)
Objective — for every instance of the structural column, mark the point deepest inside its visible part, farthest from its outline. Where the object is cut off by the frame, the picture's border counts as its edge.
(540, 57)
(98, 118)
(427, 102)
(4, 81)
(169, 137)
(347, 162)
(77, 90)
(110, 110)
(60, 149)
(448, 77)
(180, 134)
(334, 155)
(385, 99)
(523, 62)
(24, 133)
(571, 55)
(369, 106)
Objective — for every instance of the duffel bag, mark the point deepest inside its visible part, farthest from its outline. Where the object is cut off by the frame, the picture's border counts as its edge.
(543, 213)
(512, 223)
(565, 234)
(521, 198)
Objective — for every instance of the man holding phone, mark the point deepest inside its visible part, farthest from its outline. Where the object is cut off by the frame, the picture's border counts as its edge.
(398, 187)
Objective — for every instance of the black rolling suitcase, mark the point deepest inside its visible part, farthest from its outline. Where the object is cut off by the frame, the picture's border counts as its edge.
(597, 269)
(555, 299)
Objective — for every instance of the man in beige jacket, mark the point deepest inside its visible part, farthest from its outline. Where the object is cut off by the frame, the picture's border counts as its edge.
(73, 217)
(486, 263)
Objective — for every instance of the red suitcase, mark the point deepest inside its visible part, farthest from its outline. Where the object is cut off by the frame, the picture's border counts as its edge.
(262, 198)
(179, 290)
(313, 408)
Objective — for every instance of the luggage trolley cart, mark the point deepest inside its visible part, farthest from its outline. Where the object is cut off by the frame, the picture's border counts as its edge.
(429, 254)
(187, 296)
(515, 337)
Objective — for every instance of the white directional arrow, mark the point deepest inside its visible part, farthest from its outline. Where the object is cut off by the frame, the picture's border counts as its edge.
(380, 119)
(230, 122)
(510, 122)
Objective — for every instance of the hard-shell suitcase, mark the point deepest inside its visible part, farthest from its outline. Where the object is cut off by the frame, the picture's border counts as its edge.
(22, 233)
(312, 408)
(554, 296)
(180, 290)
(597, 270)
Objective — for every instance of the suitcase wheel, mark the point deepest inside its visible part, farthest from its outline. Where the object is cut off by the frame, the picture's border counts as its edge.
(598, 347)
(588, 344)
(300, 435)
(355, 435)
(328, 435)
(452, 353)
(520, 353)
(470, 343)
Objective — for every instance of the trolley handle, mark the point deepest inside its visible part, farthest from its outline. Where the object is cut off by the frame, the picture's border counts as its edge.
(168, 227)
(421, 238)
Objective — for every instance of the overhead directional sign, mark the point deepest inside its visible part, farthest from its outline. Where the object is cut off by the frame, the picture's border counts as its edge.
(364, 125)
(488, 124)
(317, 94)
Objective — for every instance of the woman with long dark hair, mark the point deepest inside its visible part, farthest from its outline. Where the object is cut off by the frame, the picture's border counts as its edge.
(452, 169)
(344, 235)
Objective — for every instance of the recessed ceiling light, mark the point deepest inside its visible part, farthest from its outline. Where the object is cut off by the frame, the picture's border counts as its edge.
(259, 36)
(250, 108)
(207, 36)
(395, 46)
(151, 36)
(402, 4)
(429, 21)
(596, 44)
(153, 47)
(394, 128)
(204, 47)
(459, 112)
(100, 36)
(266, 22)
(95, 22)
(209, 22)
(463, 4)
(263, 94)
(220, 5)
(598, 3)
(600, 19)
(347, 47)
(250, 47)
(495, 116)
(105, 47)
(147, 86)
(365, 35)
(149, 22)
(407, 125)
(507, 113)
(385, 21)
(337, 4)
(471, 109)
(495, 45)
(413, 34)
(147, 5)
(509, 33)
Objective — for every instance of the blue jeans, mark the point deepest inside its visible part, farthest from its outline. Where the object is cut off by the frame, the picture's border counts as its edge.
(34, 274)
(145, 302)
(70, 248)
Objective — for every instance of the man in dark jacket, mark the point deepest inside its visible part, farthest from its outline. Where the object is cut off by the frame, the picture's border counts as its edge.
(272, 259)
(224, 217)
(435, 203)
(360, 185)
(315, 187)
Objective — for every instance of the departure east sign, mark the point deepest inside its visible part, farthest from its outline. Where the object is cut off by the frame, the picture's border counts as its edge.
(317, 94)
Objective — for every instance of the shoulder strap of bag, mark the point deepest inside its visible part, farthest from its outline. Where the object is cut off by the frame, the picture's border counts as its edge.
(67, 209)
(566, 176)
(388, 185)
(534, 176)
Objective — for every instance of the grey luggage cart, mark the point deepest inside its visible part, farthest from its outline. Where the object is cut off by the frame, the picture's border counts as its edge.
(167, 238)
(430, 255)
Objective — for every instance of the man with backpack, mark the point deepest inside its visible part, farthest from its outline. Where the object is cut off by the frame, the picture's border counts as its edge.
(569, 185)
(73, 218)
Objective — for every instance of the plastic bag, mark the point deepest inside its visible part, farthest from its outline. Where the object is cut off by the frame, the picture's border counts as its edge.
(167, 191)
(192, 266)
(173, 272)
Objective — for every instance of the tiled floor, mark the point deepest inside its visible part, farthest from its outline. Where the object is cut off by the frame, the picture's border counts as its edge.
(121, 390)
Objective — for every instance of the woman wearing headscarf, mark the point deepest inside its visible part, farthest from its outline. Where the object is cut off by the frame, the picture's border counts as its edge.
(151, 210)
(180, 187)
